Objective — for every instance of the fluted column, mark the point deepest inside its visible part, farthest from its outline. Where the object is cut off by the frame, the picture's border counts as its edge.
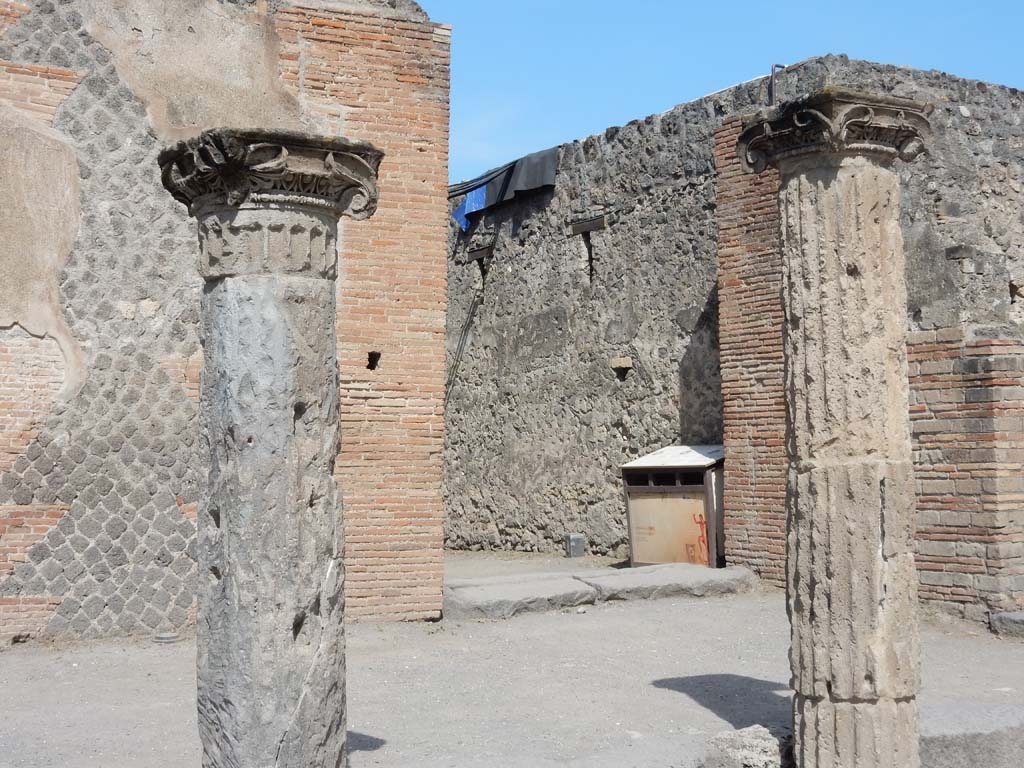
(271, 653)
(852, 585)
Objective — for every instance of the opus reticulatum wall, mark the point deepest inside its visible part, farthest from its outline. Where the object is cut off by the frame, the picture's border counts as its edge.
(101, 458)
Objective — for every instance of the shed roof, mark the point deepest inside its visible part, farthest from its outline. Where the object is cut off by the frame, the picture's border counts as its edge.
(680, 456)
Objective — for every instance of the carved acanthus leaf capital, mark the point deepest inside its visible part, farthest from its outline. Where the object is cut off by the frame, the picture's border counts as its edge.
(834, 122)
(230, 168)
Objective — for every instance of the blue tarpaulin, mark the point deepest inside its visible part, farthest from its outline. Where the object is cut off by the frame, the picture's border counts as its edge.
(476, 199)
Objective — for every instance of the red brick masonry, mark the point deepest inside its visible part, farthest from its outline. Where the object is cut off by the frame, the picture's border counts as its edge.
(967, 411)
(750, 323)
(20, 528)
(386, 81)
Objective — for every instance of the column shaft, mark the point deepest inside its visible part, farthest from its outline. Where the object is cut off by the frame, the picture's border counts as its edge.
(271, 639)
(850, 494)
(271, 648)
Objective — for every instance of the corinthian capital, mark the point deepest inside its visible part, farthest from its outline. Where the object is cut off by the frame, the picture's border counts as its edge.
(227, 168)
(835, 122)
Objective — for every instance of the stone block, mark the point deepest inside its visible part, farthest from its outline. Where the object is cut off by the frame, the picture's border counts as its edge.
(937, 548)
(670, 580)
(505, 598)
(1008, 625)
(753, 747)
(575, 545)
(50, 570)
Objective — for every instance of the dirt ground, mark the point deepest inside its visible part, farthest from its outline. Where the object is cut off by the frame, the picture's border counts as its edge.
(628, 684)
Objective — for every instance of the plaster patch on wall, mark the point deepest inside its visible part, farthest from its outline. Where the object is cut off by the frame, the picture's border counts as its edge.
(40, 193)
(198, 64)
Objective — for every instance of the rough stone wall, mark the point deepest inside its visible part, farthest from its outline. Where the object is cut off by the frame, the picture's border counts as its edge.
(538, 424)
(118, 456)
(539, 420)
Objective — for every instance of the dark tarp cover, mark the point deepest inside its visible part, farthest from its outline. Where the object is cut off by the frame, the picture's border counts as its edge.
(502, 184)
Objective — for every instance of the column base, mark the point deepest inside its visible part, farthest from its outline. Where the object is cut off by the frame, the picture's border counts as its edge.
(864, 734)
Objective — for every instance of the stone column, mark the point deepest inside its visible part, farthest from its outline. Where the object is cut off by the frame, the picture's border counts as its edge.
(271, 656)
(852, 585)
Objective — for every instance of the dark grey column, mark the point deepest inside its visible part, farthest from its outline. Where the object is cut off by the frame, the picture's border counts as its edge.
(271, 657)
(852, 585)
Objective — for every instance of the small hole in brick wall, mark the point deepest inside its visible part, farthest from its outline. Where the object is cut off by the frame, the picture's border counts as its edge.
(19, 639)
(1014, 292)
(621, 373)
(373, 360)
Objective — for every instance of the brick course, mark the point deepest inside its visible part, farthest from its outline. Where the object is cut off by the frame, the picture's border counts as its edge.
(24, 617)
(21, 527)
(31, 370)
(31, 374)
(967, 404)
(35, 90)
(10, 13)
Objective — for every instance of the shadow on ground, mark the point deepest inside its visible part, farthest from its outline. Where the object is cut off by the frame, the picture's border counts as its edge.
(740, 701)
(361, 742)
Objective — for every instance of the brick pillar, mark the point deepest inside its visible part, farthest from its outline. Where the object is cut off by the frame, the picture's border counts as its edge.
(750, 336)
(384, 79)
(851, 582)
(271, 653)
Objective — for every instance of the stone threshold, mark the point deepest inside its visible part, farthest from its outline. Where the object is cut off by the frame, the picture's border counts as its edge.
(502, 597)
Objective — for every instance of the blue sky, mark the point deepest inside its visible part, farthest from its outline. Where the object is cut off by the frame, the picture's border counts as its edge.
(529, 74)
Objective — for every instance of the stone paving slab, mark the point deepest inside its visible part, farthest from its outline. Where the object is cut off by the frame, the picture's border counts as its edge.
(970, 735)
(505, 599)
(673, 580)
(507, 578)
(507, 595)
(465, 564)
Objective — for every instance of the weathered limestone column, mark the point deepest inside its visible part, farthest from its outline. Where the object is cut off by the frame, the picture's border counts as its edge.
(852, 586)
(271, 658)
